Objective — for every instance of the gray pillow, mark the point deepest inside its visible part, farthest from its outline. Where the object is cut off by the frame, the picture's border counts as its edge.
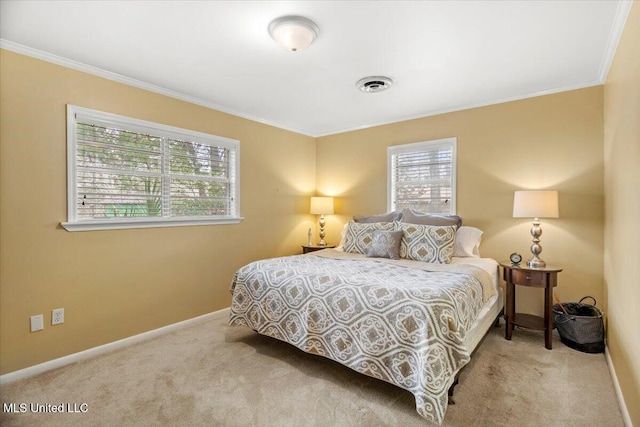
(410, 216)
(386, 217)
(385, 244)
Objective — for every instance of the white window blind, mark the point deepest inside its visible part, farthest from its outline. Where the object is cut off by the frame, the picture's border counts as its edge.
(421, 176)
(128, 173)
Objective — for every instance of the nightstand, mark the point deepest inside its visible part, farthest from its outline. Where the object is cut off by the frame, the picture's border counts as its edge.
(546, 278)
(312, 248)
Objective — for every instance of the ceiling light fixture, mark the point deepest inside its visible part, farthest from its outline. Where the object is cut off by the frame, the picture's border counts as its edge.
(294, 33)
(374, 84)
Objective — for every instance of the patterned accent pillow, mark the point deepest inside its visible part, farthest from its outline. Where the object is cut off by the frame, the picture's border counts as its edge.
(385, 244)
(359, 236)
(428, 243)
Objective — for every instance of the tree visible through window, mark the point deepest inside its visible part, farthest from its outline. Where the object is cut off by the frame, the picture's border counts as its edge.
(126, 170)
(421, 176)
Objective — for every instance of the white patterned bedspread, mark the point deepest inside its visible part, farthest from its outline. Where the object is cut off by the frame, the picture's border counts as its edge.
(392, 320)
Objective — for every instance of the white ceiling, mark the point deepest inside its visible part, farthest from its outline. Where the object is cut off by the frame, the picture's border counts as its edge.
(442, 55)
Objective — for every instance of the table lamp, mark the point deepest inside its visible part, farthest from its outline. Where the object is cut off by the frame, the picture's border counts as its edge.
(322, 206)
(535, 204)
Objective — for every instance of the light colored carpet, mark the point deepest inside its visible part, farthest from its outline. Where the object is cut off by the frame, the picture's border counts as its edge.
(210, 374)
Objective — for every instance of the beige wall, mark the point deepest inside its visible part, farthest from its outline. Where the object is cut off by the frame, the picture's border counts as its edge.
(551, 142)
(622, 211)
(114, 284)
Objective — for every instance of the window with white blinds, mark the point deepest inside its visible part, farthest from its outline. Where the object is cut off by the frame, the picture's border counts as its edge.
(129, 173)
(422, 176)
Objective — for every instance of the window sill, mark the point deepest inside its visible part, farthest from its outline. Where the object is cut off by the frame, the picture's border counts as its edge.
(146, 223)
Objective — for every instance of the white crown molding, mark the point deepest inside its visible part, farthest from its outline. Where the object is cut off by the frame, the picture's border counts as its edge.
(619, 20)
(621, 16)
(107, 348)
(59, 60)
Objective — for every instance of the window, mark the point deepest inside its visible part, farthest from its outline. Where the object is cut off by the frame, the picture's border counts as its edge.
(129, 173)
(422, 176)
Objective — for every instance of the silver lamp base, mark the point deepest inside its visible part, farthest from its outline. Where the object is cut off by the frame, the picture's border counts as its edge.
(322, 242)
(536, 263)
(536, 249)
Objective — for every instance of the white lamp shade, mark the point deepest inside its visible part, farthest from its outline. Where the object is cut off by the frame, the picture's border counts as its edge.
(535, 204)
(321, 206)
(294, 33)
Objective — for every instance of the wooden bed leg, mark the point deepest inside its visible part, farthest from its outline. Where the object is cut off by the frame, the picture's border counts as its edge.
(450, 393)
(497, 322)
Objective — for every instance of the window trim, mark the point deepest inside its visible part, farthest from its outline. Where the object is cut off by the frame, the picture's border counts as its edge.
(75, 114)
(435, 144)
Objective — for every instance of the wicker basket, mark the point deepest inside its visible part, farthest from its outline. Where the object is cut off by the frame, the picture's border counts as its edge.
(581, 327)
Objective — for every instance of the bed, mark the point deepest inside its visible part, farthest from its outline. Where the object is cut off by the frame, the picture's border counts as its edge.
(409, 322)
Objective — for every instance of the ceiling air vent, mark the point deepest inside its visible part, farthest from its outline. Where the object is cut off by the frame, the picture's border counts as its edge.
(374, 84)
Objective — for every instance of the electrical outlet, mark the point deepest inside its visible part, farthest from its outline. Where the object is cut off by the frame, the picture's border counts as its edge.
(57, 316)
(37, 323)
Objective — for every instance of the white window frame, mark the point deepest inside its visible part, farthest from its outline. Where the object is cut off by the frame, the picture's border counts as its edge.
(83, 115)
(438, 144)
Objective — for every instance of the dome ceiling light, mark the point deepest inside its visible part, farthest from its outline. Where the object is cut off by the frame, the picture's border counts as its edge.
(294, 33)
(374, 84)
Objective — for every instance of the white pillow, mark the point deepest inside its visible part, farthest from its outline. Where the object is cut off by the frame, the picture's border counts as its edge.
(342, 238)
(467, 242)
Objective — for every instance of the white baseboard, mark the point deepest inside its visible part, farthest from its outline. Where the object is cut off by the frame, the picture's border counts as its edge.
(106, 348)
(616, 385)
